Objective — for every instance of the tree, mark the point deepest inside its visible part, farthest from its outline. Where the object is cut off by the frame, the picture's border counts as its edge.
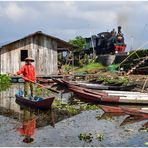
(78, 41)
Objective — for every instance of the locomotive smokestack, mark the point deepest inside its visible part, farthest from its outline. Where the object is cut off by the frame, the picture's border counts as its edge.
(119, 29)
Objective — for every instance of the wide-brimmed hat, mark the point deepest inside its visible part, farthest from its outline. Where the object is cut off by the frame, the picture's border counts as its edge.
(29, 59)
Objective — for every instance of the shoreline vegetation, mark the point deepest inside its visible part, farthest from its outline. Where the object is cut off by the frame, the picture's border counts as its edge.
(5, 82)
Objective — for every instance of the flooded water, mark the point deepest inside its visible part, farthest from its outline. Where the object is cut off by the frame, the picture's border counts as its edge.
(63, 125)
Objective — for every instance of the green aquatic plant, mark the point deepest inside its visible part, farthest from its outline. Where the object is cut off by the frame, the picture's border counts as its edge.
(65, 107)
(99, 136)
(42, 92)
(89, 107)
(87, 137)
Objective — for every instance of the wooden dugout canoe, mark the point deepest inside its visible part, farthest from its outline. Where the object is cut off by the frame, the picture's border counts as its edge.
(43, 104)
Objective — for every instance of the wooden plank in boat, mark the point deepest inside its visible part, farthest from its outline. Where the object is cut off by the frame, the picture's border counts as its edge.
(123, 92)
(128, 95)
(133, 101)
(134, 98)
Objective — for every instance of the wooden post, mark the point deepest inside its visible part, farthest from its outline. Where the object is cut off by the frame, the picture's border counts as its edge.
(72, 62)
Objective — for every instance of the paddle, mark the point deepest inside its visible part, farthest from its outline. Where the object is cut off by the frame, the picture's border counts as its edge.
(41, 85)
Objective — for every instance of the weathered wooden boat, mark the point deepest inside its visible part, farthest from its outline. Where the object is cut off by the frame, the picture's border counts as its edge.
(106, 115)
(125, 93)
(43, 104)
(111, 109)
(119, 109)
(105, 97)
(99, 97)
(94, 86)
(125, 110)
(132, 119)
(136, 112)
(104, 87)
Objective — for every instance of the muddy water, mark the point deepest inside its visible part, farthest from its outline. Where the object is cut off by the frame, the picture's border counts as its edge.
(59, 129)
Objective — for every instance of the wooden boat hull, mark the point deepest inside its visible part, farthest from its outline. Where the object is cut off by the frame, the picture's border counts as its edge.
(111, 109)
(136, 112)
(104, 97)
(125, 110)
(132, 119)
(100, 98)
(43, 104)
(104, 87)
(111, 115)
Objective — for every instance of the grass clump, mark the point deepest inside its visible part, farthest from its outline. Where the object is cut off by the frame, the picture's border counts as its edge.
(91, 66)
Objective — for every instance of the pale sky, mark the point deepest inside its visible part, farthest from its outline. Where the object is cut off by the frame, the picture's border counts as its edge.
(68, 19)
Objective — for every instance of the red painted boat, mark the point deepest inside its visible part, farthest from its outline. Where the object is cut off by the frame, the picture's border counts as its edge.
(132, 119)
(43, 104)
(111, 115)
(136, 112)
(84, 96)
(125, 110)
(111, 109)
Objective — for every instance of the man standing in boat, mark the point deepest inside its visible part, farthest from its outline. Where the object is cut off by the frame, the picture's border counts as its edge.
(29, 75)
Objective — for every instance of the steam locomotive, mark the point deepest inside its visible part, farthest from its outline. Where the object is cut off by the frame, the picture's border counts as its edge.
(106, 43)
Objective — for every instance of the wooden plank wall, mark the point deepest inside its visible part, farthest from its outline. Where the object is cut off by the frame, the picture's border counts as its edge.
(41, 48)
(44, 51)
(10, 56)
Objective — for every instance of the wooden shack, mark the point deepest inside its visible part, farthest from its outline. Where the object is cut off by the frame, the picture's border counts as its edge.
(42, 47)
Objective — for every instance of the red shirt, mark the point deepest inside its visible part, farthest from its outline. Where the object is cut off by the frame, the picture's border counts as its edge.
(28, 72)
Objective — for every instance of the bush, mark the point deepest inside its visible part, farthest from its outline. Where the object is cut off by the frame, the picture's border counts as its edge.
(5, 82)
(4, 79)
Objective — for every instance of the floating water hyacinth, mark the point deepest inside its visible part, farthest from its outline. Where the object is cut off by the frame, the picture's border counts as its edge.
(86, 137)
(99, 136)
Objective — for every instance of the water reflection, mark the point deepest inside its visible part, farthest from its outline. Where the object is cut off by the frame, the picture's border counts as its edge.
(7, 98)
(28, 126)
(132, 119)
(4, 87)
(133, 115)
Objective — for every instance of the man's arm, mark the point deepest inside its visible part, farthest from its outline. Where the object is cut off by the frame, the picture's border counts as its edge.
(21, 71)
